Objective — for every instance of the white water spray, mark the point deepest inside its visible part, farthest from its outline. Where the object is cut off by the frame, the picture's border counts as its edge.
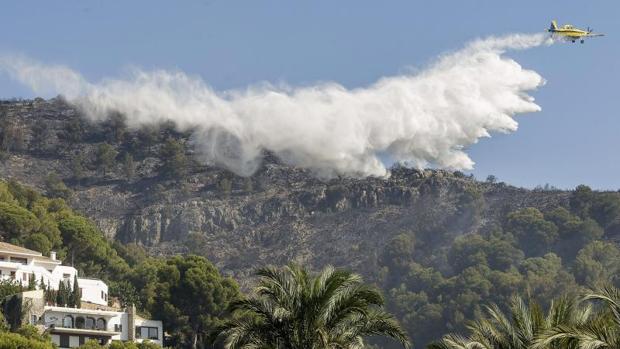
(427, 118)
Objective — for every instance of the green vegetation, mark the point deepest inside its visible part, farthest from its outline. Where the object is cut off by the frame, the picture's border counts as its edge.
(569, 323)
(601, 331)
(174, 162)
(188, 294)
(106, 156)
(295, 310)
(436, 281)
(10, 340)
(521, 328)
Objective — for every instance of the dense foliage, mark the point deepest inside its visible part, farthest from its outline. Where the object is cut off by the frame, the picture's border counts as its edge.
(187, 293)
(569, 323)
(436, 281)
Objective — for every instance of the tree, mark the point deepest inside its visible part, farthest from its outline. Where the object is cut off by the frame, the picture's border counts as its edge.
(191, 297)
(9, 287)
(398, 254)
(55, 187)
(32, 283)
(62, 296)
(91, 252)
(174, 162)
(74, 130)
(598, 263)
(533, 233)
(519, 329)
(581, 200)
(602, 331)
(10, 340)
(129, 166)
(115, 127)
(106, 154)
(77, 166)
(16, 222)
(605, 209)
(41, 137)
(11, 136)
(295, 310)
(76, 296)
(126, 293)
(38, 242)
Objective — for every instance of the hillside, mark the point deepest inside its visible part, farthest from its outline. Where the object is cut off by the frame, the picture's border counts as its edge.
(278, 215)
(403, 233)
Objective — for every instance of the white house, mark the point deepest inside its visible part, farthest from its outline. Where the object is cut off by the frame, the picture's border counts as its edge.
(71, 327)
(21, 264)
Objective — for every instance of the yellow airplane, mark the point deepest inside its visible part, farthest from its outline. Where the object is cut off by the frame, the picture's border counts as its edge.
(570, 33)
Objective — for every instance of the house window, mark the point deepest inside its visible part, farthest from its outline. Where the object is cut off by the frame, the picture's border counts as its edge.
(2, 258)
(24, 277)
(79, 322)
(33, 319)
(64, 341)
(12, 275)
(67, 321)
(66, 276)
(101, 324)
(19, 260)
(118, 328)
(90, 323)
(144, 332)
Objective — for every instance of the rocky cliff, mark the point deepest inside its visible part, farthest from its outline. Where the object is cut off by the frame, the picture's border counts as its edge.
(280, 214)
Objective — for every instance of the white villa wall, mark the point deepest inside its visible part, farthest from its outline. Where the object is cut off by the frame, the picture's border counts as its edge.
(120, 319)
(39, 270)
(150, 323)
(94, 291)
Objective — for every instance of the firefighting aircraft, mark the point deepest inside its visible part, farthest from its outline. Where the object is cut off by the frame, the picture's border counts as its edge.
(570, 33)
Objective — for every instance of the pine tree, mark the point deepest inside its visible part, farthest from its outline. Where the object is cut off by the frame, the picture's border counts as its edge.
(42, 285)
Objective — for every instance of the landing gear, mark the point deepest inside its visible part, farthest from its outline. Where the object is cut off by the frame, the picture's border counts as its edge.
(573, 41)
(582, 41)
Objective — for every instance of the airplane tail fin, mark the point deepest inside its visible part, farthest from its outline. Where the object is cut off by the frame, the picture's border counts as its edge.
(554, 25)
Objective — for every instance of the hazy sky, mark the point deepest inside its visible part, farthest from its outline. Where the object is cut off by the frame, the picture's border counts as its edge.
(231, 44)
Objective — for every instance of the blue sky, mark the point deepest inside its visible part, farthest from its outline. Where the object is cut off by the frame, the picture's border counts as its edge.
(231, 44)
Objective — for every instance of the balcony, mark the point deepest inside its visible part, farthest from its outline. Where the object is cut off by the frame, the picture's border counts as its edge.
(79, 321)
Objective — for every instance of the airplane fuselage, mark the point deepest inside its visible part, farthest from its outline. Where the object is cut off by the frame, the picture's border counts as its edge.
(568, 32)
(572, 33)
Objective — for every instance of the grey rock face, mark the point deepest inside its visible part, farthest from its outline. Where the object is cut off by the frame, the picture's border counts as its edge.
(279, 215)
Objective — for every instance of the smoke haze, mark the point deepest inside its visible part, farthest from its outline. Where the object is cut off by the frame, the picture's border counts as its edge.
(422, 119)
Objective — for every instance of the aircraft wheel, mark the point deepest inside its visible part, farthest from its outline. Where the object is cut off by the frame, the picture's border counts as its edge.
(582, 41)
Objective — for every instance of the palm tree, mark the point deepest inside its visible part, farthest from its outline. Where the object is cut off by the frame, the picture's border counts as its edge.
(603, 331)
(517, 330)
(294, 310)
